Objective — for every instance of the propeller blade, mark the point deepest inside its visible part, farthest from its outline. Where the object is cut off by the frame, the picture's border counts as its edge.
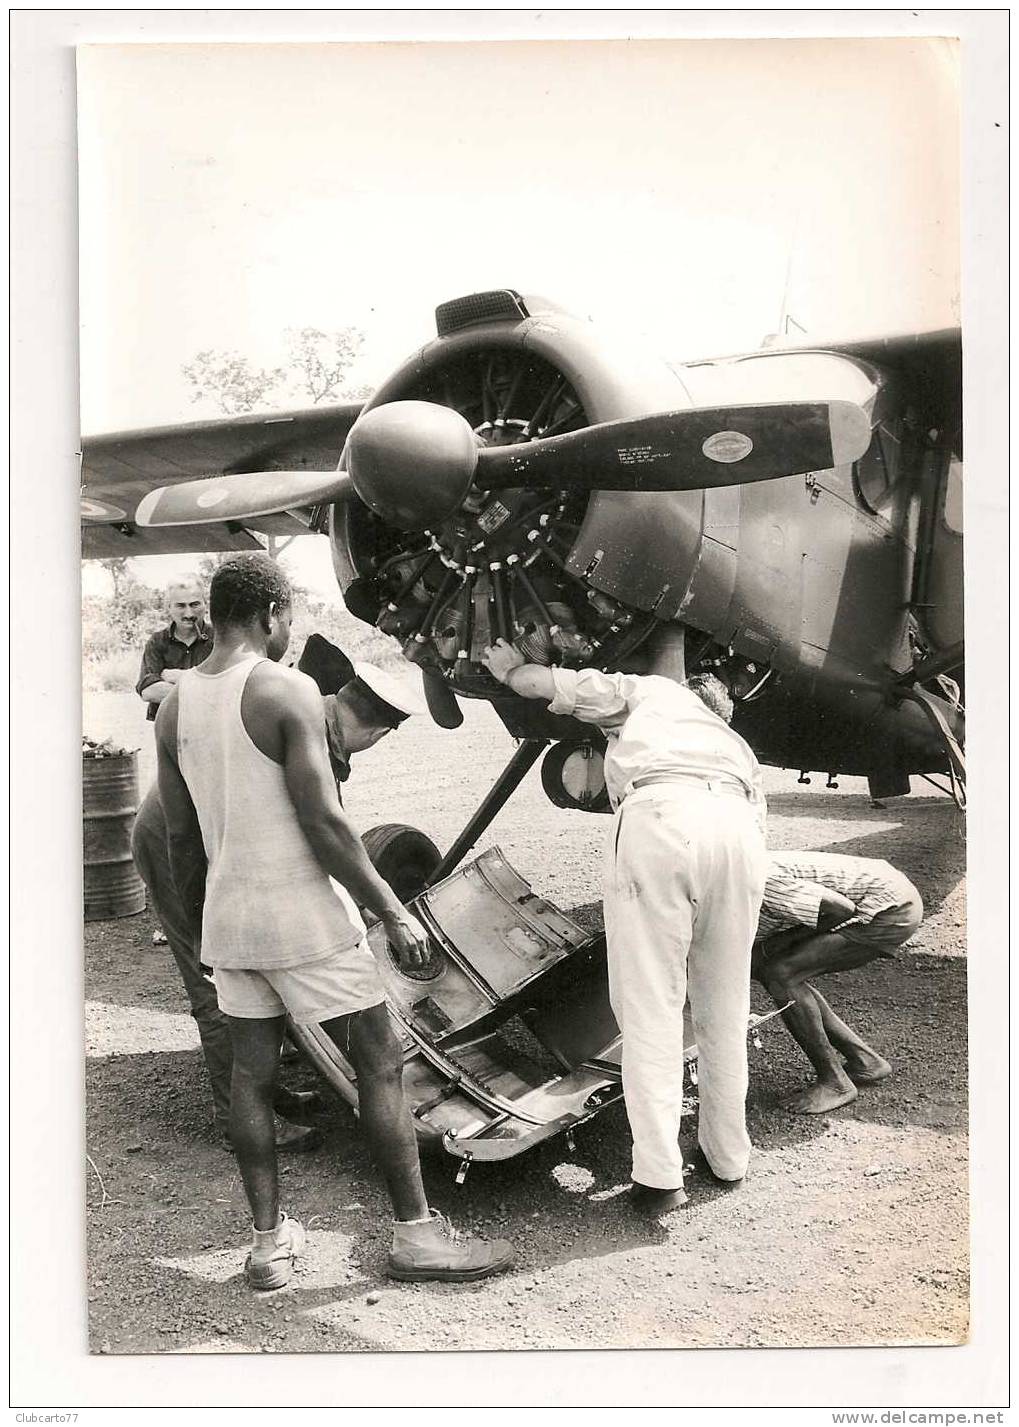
(241, 496)
(697, 449)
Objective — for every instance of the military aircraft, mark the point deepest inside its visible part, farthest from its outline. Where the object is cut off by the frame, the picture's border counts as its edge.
(789, 518)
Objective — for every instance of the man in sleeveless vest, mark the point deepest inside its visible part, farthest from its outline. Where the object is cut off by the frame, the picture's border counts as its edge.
(684, 874)
(270, 872)
(823, 912)
(352, 716)
(355, 718)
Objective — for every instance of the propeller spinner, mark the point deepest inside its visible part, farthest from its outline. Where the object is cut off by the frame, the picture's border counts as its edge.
(412, 462)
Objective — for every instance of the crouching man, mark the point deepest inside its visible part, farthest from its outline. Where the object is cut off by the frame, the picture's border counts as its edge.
(255, 832)
(828, 912)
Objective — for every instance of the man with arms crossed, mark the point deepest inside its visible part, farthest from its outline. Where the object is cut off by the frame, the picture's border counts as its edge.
(825, 911)
(683, 882)
(184, 644)
(255, 833)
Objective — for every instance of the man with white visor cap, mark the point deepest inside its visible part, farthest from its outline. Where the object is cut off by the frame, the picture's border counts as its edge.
(684, 876)
(364, 710)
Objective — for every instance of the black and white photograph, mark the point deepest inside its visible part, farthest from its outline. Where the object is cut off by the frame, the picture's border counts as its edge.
(523, 708)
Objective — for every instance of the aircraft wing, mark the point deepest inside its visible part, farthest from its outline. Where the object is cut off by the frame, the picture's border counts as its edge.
(118, 469)
(928, 364)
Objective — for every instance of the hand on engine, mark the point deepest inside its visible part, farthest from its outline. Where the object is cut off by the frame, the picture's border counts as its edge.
(501, 659)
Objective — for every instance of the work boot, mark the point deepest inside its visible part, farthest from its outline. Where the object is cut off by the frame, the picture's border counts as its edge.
(298, 1106)
(655, 1202)
(433, 1249)
(295, 1139)
(273, 1251)
(290, 1139)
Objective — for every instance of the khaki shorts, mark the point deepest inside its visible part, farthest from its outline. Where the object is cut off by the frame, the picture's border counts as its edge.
(338, 985)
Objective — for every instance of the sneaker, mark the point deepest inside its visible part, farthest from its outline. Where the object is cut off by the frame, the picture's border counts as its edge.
(271, 1260)
(435, 1250)
(159, 937)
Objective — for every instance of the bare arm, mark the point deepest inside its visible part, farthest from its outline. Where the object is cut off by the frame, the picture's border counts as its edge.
(530, 681)
(157, 692)
(834, 909)
(188, 863)
(333, 837)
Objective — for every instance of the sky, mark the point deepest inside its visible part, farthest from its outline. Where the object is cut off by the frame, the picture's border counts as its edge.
(687, 191)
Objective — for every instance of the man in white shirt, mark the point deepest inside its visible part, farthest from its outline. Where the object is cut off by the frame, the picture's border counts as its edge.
(683, 881)
(827, 912)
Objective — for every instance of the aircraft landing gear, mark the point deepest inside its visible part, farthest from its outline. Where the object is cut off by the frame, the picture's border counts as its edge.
(491, 805)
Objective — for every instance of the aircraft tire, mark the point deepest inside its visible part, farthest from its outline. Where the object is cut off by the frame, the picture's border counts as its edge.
(402, 856)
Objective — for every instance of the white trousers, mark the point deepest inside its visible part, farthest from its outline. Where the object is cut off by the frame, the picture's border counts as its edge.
(683, 884)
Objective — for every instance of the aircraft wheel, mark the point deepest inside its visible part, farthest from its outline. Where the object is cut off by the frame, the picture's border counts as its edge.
(402, 856)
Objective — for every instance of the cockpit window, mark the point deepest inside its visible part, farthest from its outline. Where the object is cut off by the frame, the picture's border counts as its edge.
(878, 472)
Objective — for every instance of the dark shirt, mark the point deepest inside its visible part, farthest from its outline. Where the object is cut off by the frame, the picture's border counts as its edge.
(164, 650)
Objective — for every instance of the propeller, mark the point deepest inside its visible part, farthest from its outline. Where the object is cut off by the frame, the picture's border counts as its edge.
(239, 496)
(413, 462)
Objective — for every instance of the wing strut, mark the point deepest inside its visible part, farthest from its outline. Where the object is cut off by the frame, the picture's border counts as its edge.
(956, 757)
(493, 802)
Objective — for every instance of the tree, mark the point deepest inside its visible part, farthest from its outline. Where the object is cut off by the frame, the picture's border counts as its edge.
(231, 381)
(119, 572)
(318, 361)
(313, 370)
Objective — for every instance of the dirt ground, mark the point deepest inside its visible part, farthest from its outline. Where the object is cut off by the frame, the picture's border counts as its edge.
(852, 1228)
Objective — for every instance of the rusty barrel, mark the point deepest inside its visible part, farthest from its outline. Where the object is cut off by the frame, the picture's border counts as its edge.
(109, 804)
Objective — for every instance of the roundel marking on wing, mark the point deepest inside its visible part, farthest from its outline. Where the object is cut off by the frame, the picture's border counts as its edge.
(100, 510)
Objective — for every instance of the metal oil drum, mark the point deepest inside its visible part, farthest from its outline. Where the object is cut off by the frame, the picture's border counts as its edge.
(109, 804)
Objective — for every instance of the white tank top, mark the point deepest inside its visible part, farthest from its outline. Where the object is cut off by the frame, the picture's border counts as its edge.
(268, 901)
